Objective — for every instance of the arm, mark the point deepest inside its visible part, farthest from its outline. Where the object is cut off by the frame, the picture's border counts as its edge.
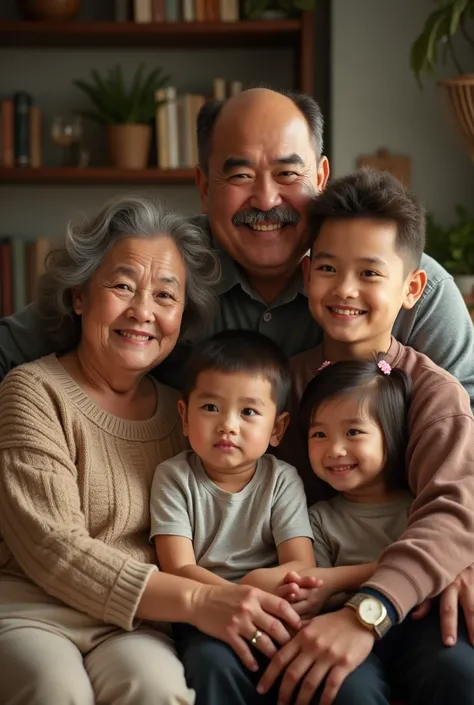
(440, 326)
(21, 339)
(41, 519)
(176, 556)
(437, 543)
(294, 554)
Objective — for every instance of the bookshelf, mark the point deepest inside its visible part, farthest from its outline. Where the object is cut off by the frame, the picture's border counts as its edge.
(94, 175)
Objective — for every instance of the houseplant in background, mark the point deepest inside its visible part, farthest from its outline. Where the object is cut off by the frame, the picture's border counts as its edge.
(451, 22)
(275, 9)
(126, 113)
(453, 247)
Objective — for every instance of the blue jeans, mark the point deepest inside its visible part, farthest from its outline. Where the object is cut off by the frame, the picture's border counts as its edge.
(409, 663)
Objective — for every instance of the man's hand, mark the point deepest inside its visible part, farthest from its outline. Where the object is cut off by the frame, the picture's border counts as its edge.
(461, 591)
(330, 646)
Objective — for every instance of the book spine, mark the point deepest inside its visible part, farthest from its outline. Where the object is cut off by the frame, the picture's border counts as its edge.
(158, 13)
(22, 103)
(6, 277)
(172, 117)
(142, 11)
(162, 139)
(36, 151)
(172, 10)
(8, 132)
(19, 274)
(122, 11)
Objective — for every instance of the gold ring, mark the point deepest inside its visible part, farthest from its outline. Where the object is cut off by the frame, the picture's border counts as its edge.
(256, 637)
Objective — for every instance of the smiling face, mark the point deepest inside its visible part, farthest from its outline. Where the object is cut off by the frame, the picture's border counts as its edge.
(262, 174)
(231, 420)
(346, 449)
(131, 310)
(357, 282)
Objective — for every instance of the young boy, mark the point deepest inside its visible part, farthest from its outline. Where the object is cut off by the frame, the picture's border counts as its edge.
(226, 508)
(368, 236)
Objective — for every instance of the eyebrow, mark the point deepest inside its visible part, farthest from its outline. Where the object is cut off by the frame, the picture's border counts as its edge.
(367, 260)
(252, 401)
(128, 271)
(235, 162)
(356, 421)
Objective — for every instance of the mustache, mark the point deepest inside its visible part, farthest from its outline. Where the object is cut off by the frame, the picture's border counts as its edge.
(285, 215)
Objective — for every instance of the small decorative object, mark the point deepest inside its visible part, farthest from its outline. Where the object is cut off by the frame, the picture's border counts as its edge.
(49, 10)
(127, 114)
(66, 132)
(399, 165)
(453, 247)
(434, 45)
(275, 9)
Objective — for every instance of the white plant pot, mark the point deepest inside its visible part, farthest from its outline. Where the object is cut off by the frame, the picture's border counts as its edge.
(465, 283)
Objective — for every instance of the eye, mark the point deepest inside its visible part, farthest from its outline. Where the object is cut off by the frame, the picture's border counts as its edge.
(210, 407)
(326, 268)
(164, 295)
(249, 412)
(370, 273)
(240, 177)
(123, 287)
(354, 432)
(288, 174)
(317, 434)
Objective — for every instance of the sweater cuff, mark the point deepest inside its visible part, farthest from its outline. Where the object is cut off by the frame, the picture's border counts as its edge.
(391, 611)
(126, 594)
(397, 587)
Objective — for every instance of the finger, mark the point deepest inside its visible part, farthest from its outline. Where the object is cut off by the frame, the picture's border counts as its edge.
(281, 659)
(467, 604)
(279, 608)
(448, 608)
(422, 610)
(243, 651)
(286, 591)
(292, 577)
(310, 582)
(292, 677)
(263, 643)
(272, 627)
(333, 683)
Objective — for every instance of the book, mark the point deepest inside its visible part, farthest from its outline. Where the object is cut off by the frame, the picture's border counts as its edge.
(8, 132)
(36, 146)
(21, 107)
(172, 124)
(142, 11)
(162, 130)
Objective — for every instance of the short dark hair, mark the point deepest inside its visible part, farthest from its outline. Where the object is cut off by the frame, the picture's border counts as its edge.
(210, 111)
(388, 397)
(368, 193)
(241, 351)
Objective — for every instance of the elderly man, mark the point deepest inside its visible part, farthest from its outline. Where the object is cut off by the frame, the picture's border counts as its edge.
(260, 161)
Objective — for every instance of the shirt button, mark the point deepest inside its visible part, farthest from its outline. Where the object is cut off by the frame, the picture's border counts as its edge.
(267, 316)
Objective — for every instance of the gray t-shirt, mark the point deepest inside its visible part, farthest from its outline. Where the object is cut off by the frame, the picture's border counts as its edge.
(351, 533)
(232, 533)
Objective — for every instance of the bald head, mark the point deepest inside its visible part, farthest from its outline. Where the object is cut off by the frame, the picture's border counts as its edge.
(257, 107)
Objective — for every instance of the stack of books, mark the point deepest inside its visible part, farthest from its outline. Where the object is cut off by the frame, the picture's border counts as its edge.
(177, 10)
(20, 131)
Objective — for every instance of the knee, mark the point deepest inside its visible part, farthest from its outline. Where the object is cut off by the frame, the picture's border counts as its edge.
(154, 688)
(453, 673)
(203, 657)
(51, 686)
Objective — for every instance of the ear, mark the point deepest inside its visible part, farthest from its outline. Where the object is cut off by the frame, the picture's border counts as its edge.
(414, 287)
(306, 267)
(78, 301)
(183, 412)
(202, 184)
(281, 424)
(323, 173)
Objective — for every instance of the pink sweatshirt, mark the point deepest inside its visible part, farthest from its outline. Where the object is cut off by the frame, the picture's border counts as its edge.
(439, 540)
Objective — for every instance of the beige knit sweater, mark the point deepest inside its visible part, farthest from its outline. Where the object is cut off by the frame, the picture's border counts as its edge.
(74, 490)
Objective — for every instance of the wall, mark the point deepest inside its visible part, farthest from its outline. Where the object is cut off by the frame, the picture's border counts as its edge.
(376, 101)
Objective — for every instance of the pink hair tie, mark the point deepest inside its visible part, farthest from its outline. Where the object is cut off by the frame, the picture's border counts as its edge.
(384, 367)
(326, 363)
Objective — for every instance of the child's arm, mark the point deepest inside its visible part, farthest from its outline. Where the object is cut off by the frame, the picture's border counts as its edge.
(294, 554)
(176, 556)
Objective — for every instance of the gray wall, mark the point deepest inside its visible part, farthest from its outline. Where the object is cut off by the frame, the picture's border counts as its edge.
(375, 102)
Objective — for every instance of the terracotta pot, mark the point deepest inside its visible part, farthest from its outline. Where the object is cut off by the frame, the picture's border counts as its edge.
(44, 10)
(129, 145)
(459, 94)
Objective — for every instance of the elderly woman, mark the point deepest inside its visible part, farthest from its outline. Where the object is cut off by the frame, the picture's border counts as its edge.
(81, 433)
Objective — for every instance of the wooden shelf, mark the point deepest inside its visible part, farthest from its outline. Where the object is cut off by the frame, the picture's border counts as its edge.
(92, 175)
(175, 35)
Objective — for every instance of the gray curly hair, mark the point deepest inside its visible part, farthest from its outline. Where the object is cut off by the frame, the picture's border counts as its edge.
(86, 244)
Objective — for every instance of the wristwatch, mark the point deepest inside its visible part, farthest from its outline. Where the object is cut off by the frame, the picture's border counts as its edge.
(370, 612)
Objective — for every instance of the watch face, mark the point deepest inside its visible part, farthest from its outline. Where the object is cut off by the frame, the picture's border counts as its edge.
(371, 610)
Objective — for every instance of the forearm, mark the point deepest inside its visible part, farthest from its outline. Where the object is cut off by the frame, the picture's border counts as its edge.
(342, 578)
(200, 575)
(167, 598)
(269, 579)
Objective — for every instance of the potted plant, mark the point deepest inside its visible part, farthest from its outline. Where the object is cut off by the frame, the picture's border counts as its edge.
(275, 9)
(449, 19)
(453, 247)
(127, 113)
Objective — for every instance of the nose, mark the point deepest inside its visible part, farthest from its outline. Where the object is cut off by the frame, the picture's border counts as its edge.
(140, 308)
(265, 194)
(337, 449)
(228, 423)
(346, 287)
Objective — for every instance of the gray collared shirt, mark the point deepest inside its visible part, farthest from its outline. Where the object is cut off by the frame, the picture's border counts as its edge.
(439, 325)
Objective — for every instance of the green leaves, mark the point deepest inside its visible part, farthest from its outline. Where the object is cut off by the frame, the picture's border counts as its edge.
(254, 9)
(453, 245)
(440, 27)
(115, 104)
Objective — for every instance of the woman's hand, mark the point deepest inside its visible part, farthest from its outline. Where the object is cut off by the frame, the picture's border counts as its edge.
(305, 593)
(330, 646)
(235, 613)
